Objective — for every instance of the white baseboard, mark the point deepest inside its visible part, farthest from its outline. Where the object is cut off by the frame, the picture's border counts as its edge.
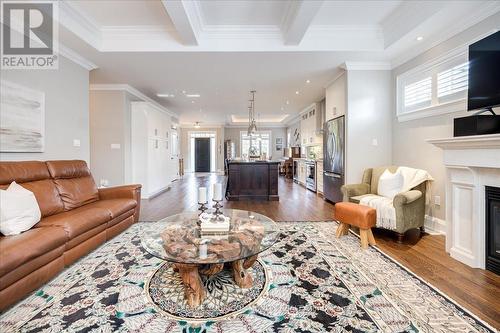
(155, 193)
(434, 225)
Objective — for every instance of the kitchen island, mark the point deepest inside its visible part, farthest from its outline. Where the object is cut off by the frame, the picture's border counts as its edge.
(252, 180)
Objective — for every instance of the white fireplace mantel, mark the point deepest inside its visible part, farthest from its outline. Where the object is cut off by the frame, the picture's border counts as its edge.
(472, 162)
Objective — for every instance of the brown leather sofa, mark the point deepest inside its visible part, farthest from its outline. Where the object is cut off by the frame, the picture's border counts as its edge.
(77, 217)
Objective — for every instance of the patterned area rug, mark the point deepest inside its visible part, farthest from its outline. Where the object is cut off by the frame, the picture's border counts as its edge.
(309, 282)
(165, 289)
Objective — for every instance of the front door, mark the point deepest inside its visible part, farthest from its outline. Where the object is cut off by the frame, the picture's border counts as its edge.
(202, 154)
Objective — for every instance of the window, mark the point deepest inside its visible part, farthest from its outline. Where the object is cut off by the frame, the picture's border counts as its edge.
(418, 94)
(433, 88)
(452, 83)
(260, 144)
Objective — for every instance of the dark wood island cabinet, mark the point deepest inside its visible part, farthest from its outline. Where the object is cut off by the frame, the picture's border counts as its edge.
(252, 180)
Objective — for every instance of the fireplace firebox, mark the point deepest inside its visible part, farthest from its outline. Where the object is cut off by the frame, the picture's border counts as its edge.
(493, 229)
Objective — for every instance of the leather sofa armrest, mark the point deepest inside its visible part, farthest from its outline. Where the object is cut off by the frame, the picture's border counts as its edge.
(407, 197)
(352, 190)
(123, 192)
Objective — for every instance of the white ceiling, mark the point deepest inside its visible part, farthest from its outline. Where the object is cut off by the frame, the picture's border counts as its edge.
(354, 12)
(223, 49)
(242, 12)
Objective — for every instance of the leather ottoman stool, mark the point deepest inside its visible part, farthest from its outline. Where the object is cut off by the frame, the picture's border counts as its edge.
(363, 217)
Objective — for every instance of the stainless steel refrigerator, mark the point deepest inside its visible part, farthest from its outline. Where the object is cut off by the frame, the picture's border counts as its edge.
(333, 159)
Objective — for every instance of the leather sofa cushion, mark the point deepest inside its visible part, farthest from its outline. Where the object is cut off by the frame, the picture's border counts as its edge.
(77, 221)
(22, 172)
(116, 207)
(35, 177)
(76, 192)
(46, 195)
(74, 183)
(18, 250)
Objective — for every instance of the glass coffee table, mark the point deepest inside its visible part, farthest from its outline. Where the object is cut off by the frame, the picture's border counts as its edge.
(179, 240)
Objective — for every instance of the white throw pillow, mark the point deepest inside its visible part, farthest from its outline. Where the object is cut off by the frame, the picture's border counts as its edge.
(390, 184)
(19, 210)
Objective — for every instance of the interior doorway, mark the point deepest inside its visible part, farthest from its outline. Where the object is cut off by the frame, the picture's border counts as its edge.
(202, 155)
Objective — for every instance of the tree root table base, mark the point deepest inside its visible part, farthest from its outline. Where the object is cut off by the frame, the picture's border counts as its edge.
(194, 291)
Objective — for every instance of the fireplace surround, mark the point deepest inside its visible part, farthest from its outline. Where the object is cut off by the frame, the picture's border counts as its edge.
(472, 165)
(492, 215)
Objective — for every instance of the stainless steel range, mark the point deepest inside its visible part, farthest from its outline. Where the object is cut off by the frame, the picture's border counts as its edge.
(311, 175)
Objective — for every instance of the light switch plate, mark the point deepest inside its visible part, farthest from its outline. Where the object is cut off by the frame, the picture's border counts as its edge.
(76, 143)
(115, 146)
(437, 200)
(374, 142)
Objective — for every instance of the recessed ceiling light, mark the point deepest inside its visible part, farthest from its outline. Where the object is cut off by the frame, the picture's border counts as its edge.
(192, 102)
(419, 38)
(193, 95)
(308, 81)
(287, 102)
(166, 95)
(184, 91)
(297, 92)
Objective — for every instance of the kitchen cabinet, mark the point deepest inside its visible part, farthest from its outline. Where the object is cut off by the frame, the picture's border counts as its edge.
(301, 172)
(310, 130)
(319, 176)
(336, 97)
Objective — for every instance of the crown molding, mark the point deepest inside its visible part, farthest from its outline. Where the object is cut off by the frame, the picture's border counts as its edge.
(76, 58)
(190, 125)
(294, 119)
(80, 24)
(131, 90)
(366, 66)
(259, 125)
(335, 78)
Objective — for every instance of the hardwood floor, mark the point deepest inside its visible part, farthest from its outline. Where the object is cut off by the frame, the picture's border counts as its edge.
(475, 289)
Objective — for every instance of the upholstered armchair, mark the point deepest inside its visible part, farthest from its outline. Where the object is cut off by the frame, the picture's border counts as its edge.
(409, 206)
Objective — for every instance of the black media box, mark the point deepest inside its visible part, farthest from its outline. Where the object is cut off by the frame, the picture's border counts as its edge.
(476, 125)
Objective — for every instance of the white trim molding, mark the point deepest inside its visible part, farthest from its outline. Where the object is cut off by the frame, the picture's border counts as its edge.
(76, 58)
(430, 69)
(471, 164)
(434, 225)
(132, 91)
(366, 66)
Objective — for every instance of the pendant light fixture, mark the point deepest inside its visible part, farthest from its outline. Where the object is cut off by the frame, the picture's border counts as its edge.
(252, 125)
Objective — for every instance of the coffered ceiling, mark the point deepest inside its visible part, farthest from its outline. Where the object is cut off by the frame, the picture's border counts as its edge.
(223, 49)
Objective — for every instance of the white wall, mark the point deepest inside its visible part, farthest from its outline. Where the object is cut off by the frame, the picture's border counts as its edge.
(233, 134)
(368, 118)
(107, 119)
(409, 138)
(66, 110)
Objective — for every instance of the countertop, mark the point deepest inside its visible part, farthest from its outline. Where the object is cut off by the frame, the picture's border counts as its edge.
(252, 162)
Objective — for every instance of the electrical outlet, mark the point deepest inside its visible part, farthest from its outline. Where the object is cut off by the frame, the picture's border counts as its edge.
(104, 182)
(437, 200)
(76, 143)
(115, 146)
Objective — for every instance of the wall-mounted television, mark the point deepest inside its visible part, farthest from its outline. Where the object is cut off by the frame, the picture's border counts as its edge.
(484, 73)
